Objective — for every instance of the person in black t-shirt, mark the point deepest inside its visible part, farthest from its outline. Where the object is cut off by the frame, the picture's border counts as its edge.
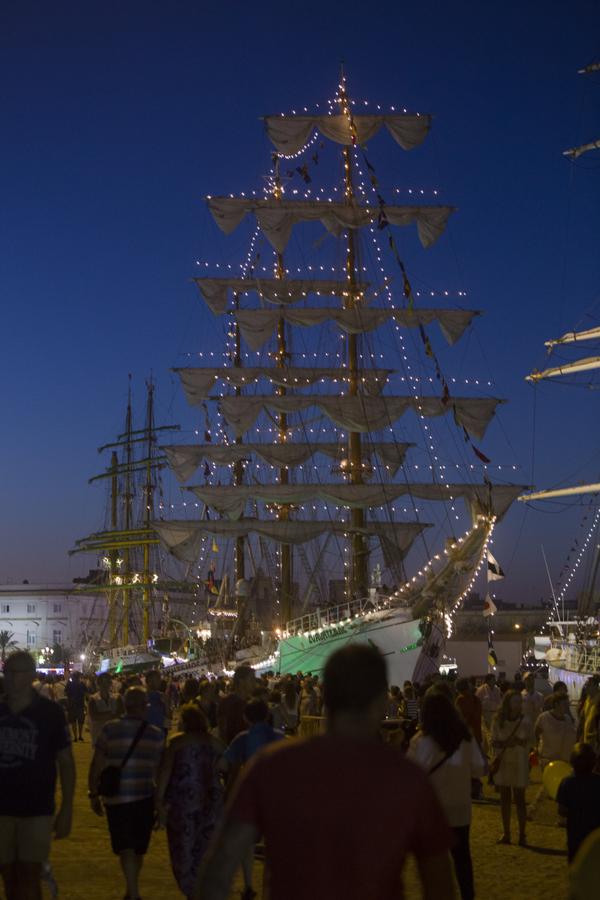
(34, 742)
(578, 798)
(75, 692)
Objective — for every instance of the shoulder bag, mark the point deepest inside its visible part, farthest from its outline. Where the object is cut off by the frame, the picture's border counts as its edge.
(494, 764)
(110, 777)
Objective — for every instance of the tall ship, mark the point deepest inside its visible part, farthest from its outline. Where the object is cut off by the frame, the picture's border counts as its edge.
(339, 475)
(137, 595)
(572, 650)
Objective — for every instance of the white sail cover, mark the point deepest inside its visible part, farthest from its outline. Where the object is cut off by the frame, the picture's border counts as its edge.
(199, 381)
(290, 133)
(481, 498)
(588, 364)
(576, 152)
(573, 337)
(184, 459)
(360, 414)
(258, 325)
(183, 538)
(277, 217)
(574, 491)
(274, 290)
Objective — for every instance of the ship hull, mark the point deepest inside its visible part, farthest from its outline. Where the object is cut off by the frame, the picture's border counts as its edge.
(574, 680)
(396, 636)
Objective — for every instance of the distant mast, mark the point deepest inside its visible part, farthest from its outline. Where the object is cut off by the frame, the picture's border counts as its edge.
(587, 364)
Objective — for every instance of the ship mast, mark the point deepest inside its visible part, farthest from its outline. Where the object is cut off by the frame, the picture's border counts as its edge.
(358, 570)
(238, 466)
(119, 542)
(149, 513)
(281, 362)
(114, 553)
(127, 498)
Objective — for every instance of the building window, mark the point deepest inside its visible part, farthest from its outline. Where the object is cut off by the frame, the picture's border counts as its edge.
(30, 638)
(56, 636)
(31, 607)
(57, 607)
(5, 608)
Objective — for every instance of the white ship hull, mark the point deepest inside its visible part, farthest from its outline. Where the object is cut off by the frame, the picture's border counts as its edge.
(394, 632)
(573, 665)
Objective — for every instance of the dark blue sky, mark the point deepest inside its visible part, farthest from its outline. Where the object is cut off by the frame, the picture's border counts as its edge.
(117, 118)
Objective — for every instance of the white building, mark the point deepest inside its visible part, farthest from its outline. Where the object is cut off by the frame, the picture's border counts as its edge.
(42, 615)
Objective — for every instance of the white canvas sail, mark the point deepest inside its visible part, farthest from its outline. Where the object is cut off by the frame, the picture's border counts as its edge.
(481, 499)
(277, 217)
(290, 133)
(185, 459)
(280, 291)
(198, 382)
(183, 538)
(258, 325)
(359, 415)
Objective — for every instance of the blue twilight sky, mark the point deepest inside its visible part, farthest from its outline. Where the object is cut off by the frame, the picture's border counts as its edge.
(118, 117)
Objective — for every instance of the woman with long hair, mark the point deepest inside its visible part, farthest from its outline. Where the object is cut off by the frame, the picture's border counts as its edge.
(189, 795)
(445, 748)
(512, 738)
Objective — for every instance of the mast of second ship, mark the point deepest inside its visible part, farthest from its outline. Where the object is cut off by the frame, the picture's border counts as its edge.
(281, 358)
(238, 466)
(358, 565)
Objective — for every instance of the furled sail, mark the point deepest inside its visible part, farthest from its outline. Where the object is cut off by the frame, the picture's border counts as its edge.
(273, 290)
(184, 459)
(573, 491)
(481, 498)
(199, 381)
(573, 337)
(581, 365)
(576, 152)
(290, 133)
(258, 325)
(277, 217)
(354, 414)
(183, 538)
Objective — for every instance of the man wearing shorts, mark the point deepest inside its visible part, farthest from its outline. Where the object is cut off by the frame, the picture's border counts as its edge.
(34, 743)
(130, 813)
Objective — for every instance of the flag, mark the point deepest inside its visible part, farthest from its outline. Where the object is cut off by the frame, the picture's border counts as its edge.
(489, 607)
(494, 570)
(491, 657)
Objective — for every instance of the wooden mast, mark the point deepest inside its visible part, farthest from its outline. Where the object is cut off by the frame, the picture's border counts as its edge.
(128, 498)
(114, 553)
(358, 569)
(281, 361)
(149, 502)
(238, 466)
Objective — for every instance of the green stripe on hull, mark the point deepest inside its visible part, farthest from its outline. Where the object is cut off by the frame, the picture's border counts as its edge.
(399, 642)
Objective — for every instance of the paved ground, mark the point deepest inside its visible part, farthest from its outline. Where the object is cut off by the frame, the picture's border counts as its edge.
(86, 869)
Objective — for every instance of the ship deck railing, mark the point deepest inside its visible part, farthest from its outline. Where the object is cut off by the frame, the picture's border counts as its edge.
(584, 659)
(336, 615)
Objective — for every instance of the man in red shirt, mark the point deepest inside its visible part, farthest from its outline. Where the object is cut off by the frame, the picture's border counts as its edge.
(339, 812)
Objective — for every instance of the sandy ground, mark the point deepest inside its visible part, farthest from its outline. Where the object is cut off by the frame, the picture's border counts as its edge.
(86, 869)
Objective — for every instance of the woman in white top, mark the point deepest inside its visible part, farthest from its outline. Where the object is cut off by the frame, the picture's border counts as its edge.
(445, 748)
(512, 738)
(555, 731)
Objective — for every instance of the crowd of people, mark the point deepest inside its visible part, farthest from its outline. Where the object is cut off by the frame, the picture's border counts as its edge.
(191, 756)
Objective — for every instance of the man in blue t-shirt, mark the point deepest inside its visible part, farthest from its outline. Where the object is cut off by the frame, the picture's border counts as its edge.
(34, 743)
(240, 750)
(259, 734)
(578, 798)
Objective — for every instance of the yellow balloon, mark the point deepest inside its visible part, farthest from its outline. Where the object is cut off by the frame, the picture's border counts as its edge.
(554, 773)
